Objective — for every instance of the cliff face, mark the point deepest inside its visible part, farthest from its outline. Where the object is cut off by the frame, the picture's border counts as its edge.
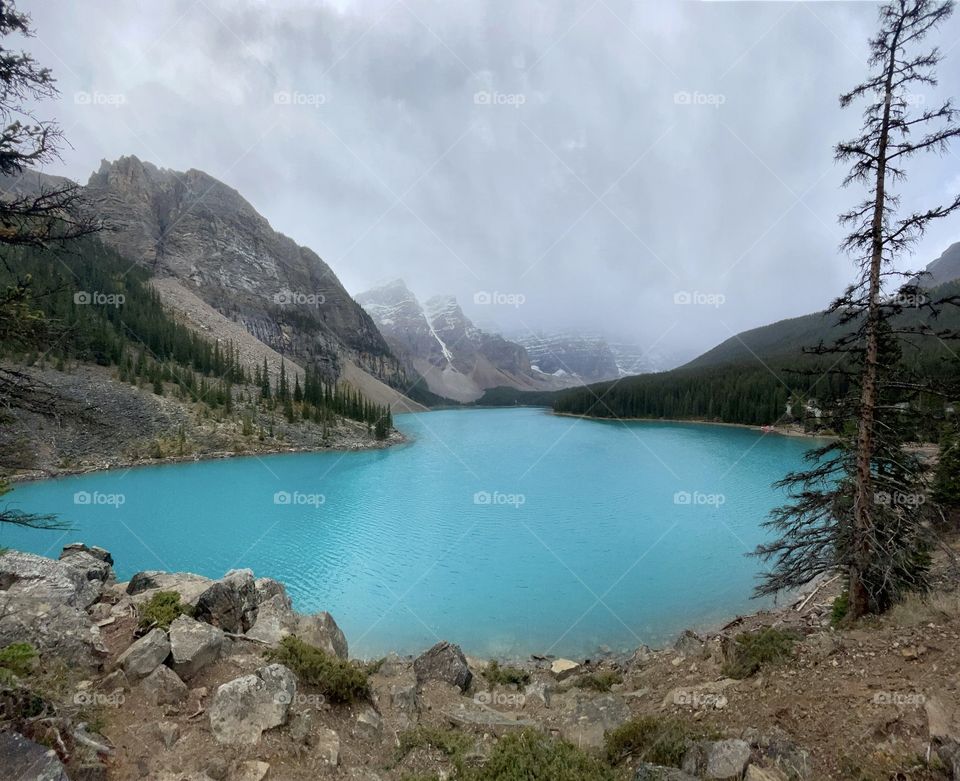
(192, 227)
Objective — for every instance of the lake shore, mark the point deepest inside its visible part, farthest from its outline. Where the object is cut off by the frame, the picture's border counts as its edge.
(786, 431)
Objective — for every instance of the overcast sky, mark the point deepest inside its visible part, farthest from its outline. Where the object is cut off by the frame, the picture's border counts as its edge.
(595, 157)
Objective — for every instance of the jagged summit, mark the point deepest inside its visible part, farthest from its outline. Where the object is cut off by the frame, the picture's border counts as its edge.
(438, 341)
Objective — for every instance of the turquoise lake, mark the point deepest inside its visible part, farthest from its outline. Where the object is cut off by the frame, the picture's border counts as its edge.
(508, 531)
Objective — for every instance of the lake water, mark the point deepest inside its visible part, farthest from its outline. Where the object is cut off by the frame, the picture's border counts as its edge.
(508, 531)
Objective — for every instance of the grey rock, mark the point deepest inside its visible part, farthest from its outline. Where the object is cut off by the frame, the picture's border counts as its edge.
(229, 603)
(321, 630)
(169, 732)
(300, 727)
(690, 644)
(115, 681)
(720, 759)
(727, 759)
(403, 698)
(77, 581)
(164, 687)
(327, 746)
(267, 588)
(592, 717)
(369, 724)
(537, 694)
(78, 547)
(145, 654)
(393, 665)
(444, 662)
(193, 645)
(186, 584)
(275, 620)
(244, 707)
(24, 760)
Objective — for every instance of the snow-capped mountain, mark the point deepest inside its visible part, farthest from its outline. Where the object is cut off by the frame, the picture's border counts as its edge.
(438, 341)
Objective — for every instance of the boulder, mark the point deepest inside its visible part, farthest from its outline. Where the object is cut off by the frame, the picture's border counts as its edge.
(229, 603)
(592, 717)
(727, 759)
(275, 620)
(53, 628)
(24, 760)
(444, 662)
(328, 746)
(93, 550)
(537, 694)
(690, 644)
(244, 707)
(321, 630)
(145, 655)
(164, 687)
(724, 760)
(369, 724)
(403, 698)
(267, 588)
(564, 668)
(76, 581)
(189, 586)
(193, 645)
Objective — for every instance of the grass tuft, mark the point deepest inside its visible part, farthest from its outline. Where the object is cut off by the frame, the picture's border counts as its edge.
(339, 680)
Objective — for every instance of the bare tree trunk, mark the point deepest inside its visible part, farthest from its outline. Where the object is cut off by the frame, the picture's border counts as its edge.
(863, 502)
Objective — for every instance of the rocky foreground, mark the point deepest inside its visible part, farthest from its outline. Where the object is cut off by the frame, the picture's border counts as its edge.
(221, 689)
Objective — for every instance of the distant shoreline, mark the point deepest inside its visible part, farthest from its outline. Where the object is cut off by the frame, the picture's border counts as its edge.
(785, 431)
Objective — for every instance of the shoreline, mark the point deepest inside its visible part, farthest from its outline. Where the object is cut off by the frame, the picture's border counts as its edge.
(781, 430)
(397, 438)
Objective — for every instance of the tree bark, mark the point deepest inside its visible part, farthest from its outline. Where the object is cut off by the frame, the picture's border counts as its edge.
(863, 502)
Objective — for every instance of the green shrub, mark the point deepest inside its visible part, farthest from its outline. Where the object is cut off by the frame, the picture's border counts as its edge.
(752, 650)
(651, 739)
(839, 610)
(532, 756)
(162, 609)
(599, 681)
(16, 659)
(495, 674)
(337, 679)
(447, 741)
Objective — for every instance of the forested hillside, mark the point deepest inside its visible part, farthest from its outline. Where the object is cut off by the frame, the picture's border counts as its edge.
(751, 377)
